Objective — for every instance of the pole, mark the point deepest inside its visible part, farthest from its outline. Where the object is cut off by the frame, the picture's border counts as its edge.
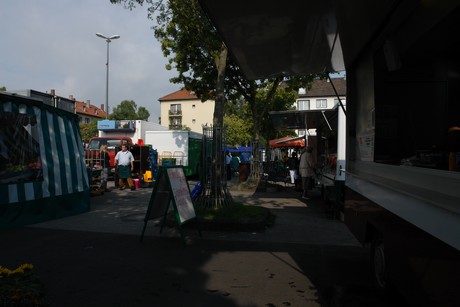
(108, 40)
(107, 84)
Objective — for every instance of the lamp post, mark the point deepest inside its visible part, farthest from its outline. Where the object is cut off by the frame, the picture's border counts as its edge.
(108, 40)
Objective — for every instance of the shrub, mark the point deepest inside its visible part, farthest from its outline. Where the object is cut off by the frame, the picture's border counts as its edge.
(21, 287)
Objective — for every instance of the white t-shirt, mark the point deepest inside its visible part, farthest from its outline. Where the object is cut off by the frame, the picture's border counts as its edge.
(124, 158)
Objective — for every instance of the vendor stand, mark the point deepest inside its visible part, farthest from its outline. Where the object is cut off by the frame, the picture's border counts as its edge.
(328, 141)
(43, 174)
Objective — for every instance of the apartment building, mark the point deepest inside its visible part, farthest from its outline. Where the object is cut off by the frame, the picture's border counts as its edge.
(183, 109)
(321, 96)
(86, 112)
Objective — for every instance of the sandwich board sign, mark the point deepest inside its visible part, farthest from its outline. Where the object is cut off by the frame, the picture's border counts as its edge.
(171, 187)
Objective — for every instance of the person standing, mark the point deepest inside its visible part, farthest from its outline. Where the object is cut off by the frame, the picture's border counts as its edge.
(124, 162)
(245, 157)
(105, 164)
(245, 165)
(293, 164)
(306, 171)
(228, 162)
(235, 163)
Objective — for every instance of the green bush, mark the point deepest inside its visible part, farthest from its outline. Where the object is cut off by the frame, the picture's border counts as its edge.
(21, 287)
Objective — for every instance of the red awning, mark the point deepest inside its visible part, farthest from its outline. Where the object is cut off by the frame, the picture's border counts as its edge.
(287, 141)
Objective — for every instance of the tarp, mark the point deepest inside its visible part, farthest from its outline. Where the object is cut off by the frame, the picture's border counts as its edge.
(287, 141)
(239, 149)
(43, 173)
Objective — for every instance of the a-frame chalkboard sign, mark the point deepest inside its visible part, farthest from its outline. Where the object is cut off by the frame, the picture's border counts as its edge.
(171, 187)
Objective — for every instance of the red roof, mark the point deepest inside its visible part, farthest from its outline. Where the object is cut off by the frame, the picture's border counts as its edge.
(182, 94)
(83, 108)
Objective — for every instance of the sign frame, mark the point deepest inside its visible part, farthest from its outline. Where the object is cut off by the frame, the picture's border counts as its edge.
(171, 187)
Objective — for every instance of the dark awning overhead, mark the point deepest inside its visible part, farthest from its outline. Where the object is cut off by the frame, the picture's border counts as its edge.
(270, 38)
(282, 34)
(306, 119)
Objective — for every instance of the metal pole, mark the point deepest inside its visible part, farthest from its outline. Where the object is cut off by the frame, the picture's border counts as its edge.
(107, 84)
(108, 40)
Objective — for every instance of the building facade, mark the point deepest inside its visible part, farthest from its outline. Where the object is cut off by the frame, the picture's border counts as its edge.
(321, 96)
(86, 112)
(183, 109)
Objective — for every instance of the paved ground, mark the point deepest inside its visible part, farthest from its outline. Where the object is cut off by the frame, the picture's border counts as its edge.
(96, 259)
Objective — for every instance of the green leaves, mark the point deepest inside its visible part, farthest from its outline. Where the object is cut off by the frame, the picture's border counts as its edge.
(127, 109)
(238, 130)
(88, 131)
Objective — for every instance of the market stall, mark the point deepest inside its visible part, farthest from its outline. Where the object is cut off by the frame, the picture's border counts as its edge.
(43, 174)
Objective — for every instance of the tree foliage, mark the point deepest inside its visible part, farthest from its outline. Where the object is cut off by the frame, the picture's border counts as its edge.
(88, 131)
(194, 48)
(127, 109)
(238, 130)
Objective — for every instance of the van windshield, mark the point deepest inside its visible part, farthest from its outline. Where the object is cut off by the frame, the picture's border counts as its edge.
(95, 144)
(112, 143)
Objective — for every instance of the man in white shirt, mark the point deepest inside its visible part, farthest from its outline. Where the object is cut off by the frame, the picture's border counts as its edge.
(124, 162)
(306, 170)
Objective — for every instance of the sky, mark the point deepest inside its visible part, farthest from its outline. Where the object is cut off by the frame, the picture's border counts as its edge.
(52, 44)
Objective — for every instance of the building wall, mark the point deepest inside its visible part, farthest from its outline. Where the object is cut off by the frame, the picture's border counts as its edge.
(315, 105)
(323, 91)
(194, 113)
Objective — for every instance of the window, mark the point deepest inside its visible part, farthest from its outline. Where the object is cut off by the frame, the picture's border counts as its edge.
(193, 121)
(303, 104)
(176, 122)
(321, 103)
(193, 106)
(175, 109)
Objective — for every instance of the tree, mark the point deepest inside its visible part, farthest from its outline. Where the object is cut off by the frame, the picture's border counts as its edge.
(88, 131)
(127, 109)
(143, 114)
(282, 100)
(195, 50)
(2, 89)
(238, 130)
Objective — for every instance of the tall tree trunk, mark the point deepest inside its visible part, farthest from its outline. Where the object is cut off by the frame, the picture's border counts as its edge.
(259, 110)
(255, 169)
(221, 63)
(216, 194)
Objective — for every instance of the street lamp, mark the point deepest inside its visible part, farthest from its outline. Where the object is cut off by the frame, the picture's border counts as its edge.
(108, 40)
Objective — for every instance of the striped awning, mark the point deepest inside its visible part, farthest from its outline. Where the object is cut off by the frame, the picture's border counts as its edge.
(59, 150)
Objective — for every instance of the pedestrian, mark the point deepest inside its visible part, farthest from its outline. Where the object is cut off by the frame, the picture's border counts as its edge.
(235, 163)
(306, 170)
(228, 162)
(124, 162)
(293, 165)
(245, 165)
(104, 159)
(245, 157)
